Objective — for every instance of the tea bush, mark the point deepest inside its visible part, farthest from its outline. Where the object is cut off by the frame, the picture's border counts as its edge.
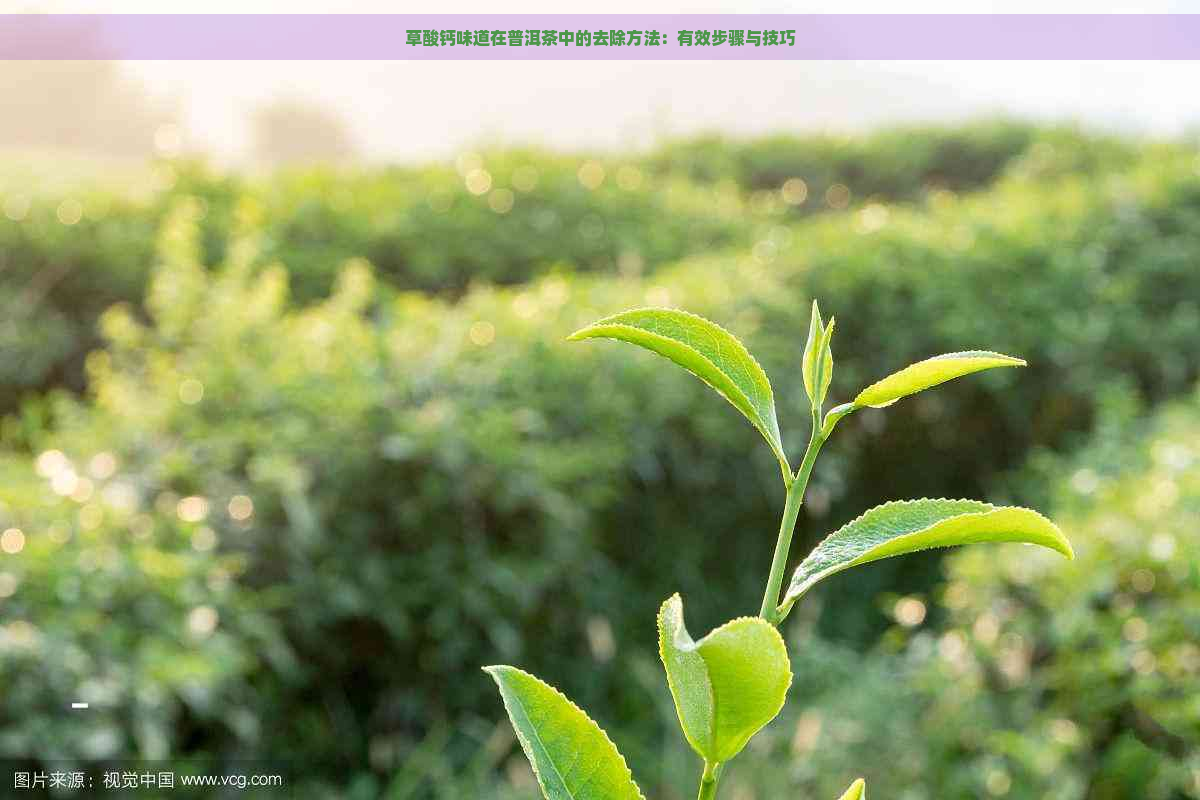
(1029, 678)
(895, 164)
(289, 520)
(1084, 680)
(432, 486)
(68, 251)
(67, 254)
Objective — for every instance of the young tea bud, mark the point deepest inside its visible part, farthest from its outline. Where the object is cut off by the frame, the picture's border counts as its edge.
(818, 359)
(824, 375)
(812, 348)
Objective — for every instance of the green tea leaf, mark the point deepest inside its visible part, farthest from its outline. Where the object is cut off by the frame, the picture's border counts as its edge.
(571, 756)
(857, 791)
(817, 367)
(824, 375)
(834, 416)
(906, 526)
(706, 350)
(728, 685)
(812, 349)
(930, 372)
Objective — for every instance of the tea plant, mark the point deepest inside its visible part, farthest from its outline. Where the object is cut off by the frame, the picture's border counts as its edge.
(728, 685)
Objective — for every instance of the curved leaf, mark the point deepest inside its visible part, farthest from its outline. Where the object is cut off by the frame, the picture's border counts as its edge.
(708, 351)
(906, 526)
(572, 757)
(728, 685)
(930, 372)
(824, 374)
(857, 791)
(834, 416)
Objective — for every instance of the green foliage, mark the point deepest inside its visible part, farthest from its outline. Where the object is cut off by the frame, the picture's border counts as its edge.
(728, 685)
(109, 605)
(1086, 677)
(423, 228)
(706, 350)
(909, 526)
(897, 164)
(56, 279)
(928, 373)
(734, 681)
(503, 217)
(1110, 243)
(437, 485)
(572, 757)
(817, 366)
(1030, 675)
(904, 163)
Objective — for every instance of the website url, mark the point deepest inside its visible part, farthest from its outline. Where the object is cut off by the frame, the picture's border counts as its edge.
(234, 781)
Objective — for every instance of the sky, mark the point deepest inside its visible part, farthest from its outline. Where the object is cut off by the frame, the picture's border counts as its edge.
(410, 111)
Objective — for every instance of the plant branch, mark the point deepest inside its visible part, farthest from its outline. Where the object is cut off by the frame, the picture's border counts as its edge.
(709, 781)
(791, 510)
(783, 544)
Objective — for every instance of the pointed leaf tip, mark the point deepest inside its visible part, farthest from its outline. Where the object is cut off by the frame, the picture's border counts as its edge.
(908, 526)
(728, 685)
(931, 372)
(708, 351)
(572, 758)
(857, 791)
(826, 365)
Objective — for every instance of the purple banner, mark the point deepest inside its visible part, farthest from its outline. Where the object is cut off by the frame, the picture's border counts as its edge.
(794, 37)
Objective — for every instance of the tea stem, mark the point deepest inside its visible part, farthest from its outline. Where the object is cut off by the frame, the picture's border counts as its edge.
(791, 510)
(709, 781)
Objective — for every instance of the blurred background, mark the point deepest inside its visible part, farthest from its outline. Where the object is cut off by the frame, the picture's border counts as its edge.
(291, 443)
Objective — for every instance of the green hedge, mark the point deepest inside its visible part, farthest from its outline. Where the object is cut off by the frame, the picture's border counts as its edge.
(68, 254)
(894, 164)
(426, 229)
(1086, 676)
(423, 228)
(437, 486)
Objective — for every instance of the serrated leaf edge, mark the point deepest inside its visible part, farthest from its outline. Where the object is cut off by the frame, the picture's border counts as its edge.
(491, 670)
(782, 643)
(789, 599)
(778, 638)
(1014, 361)
(695, 646)
(692, 647)
(773, 437)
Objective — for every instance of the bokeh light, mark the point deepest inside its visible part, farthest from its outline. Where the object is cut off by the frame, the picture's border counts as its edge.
(12, 541)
